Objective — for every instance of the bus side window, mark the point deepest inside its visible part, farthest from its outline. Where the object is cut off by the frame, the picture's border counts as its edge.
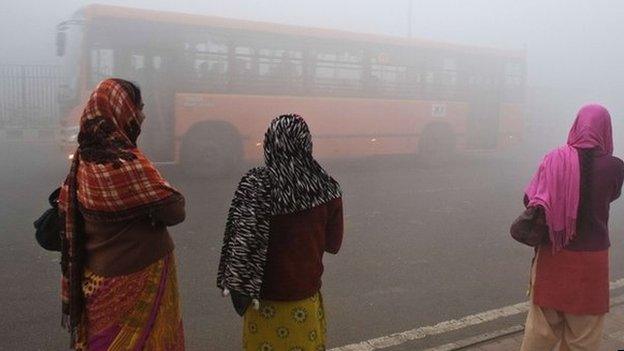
(269, 65)
(325, 74)
(513, 74)
(159, 68)
(449, 72)
(102, 64)
(241, 68)
(349, 70)
(157, 63)
(206, 63)
(513, 81)
(211, 60)
(391, 76)
(279, 70)
(138, 71)
(414, 80)
(339, 72)
(291, 65)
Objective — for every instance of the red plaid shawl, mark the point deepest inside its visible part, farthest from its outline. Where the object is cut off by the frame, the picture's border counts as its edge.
(110, 180)
(107, 193)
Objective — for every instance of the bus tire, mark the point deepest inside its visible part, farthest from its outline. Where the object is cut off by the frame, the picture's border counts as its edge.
(211, 149)
(437, 138)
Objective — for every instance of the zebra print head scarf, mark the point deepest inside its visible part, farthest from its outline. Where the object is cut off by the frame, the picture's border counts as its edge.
(291, 181)
(299, 182)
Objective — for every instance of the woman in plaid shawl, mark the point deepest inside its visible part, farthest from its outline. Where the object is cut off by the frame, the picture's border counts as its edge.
(119, 286)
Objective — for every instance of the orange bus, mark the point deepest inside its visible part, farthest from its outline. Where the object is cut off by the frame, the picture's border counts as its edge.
(212, 85)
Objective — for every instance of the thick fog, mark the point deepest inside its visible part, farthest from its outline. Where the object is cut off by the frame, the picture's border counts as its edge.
(572, 46)
(568, 42)
(426, 235)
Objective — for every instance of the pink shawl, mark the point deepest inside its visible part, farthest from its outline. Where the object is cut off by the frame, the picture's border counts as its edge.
(556, 184)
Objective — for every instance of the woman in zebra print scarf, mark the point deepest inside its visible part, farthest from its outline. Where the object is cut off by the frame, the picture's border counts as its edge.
(283, 216)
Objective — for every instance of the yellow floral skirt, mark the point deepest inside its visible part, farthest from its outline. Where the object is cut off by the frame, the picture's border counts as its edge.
(286, 326)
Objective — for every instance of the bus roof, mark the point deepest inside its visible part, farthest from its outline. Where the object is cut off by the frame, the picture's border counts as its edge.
(97, 10)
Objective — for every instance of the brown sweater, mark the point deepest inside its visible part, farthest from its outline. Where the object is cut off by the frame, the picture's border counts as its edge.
(296, 246)
(122, 248)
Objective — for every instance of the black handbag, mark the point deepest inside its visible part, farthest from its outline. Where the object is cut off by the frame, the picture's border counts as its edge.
(48, 226)
(530, 228)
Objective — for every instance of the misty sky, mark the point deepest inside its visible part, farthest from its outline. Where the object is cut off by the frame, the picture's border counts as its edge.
(570, 43)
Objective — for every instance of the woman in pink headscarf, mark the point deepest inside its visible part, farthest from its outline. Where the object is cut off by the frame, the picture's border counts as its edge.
(575, 185)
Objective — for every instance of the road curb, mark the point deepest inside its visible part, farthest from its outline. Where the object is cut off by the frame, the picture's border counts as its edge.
(453, 325)
(497, 334)
(479, 339)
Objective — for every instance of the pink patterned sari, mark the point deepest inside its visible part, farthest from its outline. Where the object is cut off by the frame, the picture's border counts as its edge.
(138, 311)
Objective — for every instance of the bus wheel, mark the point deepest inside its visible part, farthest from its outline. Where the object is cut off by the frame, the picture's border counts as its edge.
(437, 138)
(211, 149)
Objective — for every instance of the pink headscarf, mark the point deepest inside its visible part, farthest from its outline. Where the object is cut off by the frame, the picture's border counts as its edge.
(556, 184)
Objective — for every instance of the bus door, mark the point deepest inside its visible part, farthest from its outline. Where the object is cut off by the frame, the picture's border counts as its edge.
(150, 71)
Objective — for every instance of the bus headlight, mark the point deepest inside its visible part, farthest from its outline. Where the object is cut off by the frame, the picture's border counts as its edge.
(70, 134)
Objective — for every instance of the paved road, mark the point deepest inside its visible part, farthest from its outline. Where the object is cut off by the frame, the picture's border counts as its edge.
(426, 241)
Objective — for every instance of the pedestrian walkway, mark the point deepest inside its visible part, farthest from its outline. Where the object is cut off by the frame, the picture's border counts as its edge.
(500, 330)
(511, 339)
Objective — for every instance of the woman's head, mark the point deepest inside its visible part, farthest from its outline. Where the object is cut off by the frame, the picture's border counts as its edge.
(115, 104)
(592, 130)
(297, 181)
(288, 137)
(111, 121)
(133, 91)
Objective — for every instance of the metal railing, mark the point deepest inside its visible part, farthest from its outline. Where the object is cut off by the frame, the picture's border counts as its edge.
(28, 96)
